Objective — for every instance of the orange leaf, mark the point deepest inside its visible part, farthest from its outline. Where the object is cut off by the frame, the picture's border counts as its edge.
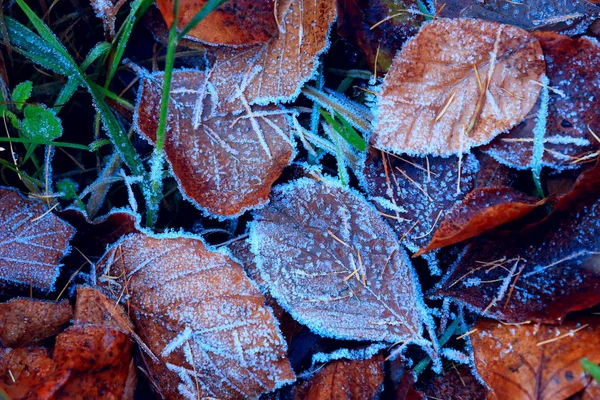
(197, 311)
(535, 361)
(456, 85)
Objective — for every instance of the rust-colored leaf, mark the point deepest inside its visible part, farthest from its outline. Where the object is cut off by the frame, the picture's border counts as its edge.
(224, 163)
(32, 241)
(481, 210)
(197, 311)
(535, 361)
(275, 70)
(344, 379)
(22, 369)
(456, 85)
(335, 265)
(573, 119)
(414, 194)
(26, 322)
(237, 22)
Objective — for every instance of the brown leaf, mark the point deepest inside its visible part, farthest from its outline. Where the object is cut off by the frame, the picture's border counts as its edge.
(22, 369)
(573, 110)
(540, 273)
(413, 197)
(107, 11)
(224, 163)
(433, 102)
(32, 241)
(455, 383)
(275, 70)
(332, 262)
(481, 210)
(344, 379)
(535, 361)
(237, 22)
(26, 322)
(199, 312)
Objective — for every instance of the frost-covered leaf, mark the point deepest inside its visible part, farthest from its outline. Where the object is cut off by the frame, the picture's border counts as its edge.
(457, 84)
(540, 273)
(199, 313)
(573, 111)
(21, 94)
(275, 70)
(237, 22)
(32, 241)
(535, 361)
(413, 197)
(40, 124)
(344, 379)
(335, 265)
(481, 210)
(225, 163)
(26, 322)
(107, 11)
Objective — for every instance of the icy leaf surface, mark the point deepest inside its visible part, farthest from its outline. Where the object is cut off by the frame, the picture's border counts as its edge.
(481, 210)
(26, 322)
(573, 118)
(32, 241)
(540, 273)
(224, 163)
(276, 70)
(237, 22)
(414, 198)
(107, 11)
(535, 361)
(198, 312)
(344, 379)
(457, 84)
(335, 265)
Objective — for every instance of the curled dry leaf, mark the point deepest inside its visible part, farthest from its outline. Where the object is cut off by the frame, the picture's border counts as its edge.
(107, 11)
(198, 312)
(344, 379)
(540, 273)
(535, 361)
(330, 260)
(456, 85)
(224, 163)
(573, 120)
(32, 241)
(275, 70)
(481, 210)
(414, 194)
(237, 22)
(26, 322)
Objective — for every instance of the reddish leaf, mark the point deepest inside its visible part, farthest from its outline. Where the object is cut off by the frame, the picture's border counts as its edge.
(330, 260)
(21, 369)
(26, 322)
(541, 273)
(481, 210)
(198, 311)
(448, 89)
(32, 241)
(572, 117)
(225, 164)
(535, 361)
(237, 22)
(455, 383)
(276, 70)
(412, 197)
(344, 379)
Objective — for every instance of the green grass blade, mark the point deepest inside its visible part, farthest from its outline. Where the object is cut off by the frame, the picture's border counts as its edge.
(65, 94)
(591, 368)
(46, 143)
(421, 365)
(204, 11)
(345, 131)
(97, 51)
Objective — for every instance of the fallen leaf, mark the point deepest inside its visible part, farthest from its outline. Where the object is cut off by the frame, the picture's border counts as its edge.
(22, 369)
(332, 262)
(26, 322)
(535, 361)
(237, 22)
(197, 311)
(344, 379)
(456, 382)
(541, 273)
(275, 71)
(413, 197)
(224, 163)
(481, 210)
(107, 11)
(573, 111)
(456, 85)
(32, 241)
